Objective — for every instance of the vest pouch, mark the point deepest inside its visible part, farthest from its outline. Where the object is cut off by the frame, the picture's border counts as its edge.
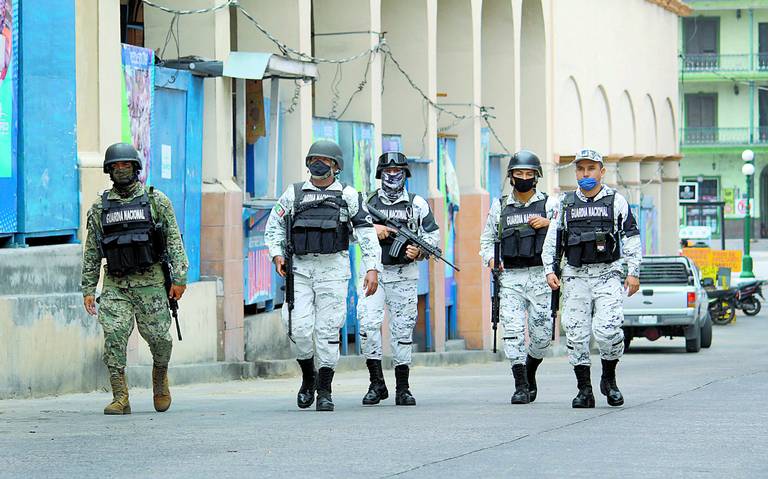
(314, 236)
(113, 255)
(588, 247)
(573, 251)
(526, 243)
(142, 251)
(509, 243)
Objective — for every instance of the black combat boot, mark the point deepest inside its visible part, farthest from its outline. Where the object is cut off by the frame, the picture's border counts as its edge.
(377, 391)
(521, 395)
(306, 395)
(403, 396)
(608, 383)
(324, 399)
(531, 364)
(585, 398)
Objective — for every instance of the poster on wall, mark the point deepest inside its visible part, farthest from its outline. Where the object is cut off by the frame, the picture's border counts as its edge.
(138, 88)
(8, 220)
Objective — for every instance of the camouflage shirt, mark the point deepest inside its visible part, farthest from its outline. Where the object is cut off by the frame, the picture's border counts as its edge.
(163, 216)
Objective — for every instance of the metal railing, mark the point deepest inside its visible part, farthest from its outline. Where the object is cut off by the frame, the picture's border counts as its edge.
(724, 136)
(715, 62)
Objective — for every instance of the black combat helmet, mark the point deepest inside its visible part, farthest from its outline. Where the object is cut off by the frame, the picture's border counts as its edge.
(121, 152)
(326, 149)
(524, 160)
(392, 159)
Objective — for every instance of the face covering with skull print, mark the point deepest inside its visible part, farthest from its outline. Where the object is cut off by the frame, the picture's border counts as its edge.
(393, 184)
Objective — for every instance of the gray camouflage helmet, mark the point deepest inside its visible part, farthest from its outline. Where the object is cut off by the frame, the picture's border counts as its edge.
(326, 149)
(121, 152)
(524, 160)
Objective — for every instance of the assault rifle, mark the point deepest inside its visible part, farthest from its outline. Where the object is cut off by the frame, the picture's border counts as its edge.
(288, 268)
(555, 302)
(496, 296)
(403, 236)
(173, 304)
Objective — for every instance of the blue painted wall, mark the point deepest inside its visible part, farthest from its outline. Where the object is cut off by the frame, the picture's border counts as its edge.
(9, 183)
(48, 183)
(177, 122)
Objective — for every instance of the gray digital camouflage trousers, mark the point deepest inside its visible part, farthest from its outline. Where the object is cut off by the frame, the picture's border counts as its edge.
(400, 298)
(319, 311)
(525, 296)
(593, 305)
(149, 306)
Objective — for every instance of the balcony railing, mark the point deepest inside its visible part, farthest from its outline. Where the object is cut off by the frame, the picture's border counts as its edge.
(724, 136)
(714, 62)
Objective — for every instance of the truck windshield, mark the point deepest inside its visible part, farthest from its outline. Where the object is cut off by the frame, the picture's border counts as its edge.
(664, 273)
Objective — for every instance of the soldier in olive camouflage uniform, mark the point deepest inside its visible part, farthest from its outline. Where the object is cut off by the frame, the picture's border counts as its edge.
(133, 285)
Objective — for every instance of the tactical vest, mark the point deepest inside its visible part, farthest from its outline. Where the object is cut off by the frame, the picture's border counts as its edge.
(589, 231)
(401, 212)
(521, 244)
(130, 241)
(320, 221)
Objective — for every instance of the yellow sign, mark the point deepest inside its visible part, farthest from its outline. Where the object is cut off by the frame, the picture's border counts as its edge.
(727, 258)
(707, 257)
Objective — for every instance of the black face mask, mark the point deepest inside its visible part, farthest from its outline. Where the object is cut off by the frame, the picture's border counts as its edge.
(320, 170)
(523, 186)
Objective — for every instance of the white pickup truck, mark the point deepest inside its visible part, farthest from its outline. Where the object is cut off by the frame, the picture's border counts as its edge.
(671, 302)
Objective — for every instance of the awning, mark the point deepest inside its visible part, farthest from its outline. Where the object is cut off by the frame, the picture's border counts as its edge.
(248, 65)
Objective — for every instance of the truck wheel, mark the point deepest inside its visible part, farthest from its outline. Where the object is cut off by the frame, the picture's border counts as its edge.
(693, 345)
(706, 332)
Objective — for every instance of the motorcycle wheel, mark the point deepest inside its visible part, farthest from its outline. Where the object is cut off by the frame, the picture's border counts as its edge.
(720, 314)
(751, 306)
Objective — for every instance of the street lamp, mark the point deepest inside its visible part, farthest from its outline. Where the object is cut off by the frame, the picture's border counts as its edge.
(748, 170)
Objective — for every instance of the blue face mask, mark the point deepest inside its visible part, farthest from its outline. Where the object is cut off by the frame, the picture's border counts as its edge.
(587, 184)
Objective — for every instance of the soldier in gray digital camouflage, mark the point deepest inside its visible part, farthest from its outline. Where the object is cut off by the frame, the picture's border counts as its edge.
(134, 229)
(598, 235)
(324, 216)
(519, 222)
(398, 282)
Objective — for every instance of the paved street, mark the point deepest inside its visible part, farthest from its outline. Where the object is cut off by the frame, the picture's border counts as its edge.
(686, 414)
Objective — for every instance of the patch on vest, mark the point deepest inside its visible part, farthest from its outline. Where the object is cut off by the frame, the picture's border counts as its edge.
(519, 219)
(122, 216)
(311, 197)
(588, 212)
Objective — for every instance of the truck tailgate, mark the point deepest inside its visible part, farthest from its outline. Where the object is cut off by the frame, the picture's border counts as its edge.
(659, 304)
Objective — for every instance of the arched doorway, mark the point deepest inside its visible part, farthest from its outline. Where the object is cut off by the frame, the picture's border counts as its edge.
(533, 80)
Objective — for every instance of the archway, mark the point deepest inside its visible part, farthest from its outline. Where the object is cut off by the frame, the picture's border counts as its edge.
(498, 87)
(533, 80)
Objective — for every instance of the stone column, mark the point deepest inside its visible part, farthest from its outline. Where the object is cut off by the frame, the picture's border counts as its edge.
(669, 242)
(97, 40)
(221, 235)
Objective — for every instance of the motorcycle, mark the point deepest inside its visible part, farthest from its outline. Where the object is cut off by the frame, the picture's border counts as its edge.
(722, 302)
(747, 298)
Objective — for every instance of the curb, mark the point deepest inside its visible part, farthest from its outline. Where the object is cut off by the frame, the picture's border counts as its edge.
(141, 376)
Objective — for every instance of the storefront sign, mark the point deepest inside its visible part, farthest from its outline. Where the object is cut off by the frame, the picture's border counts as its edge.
(138, 87)
(688, 192)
